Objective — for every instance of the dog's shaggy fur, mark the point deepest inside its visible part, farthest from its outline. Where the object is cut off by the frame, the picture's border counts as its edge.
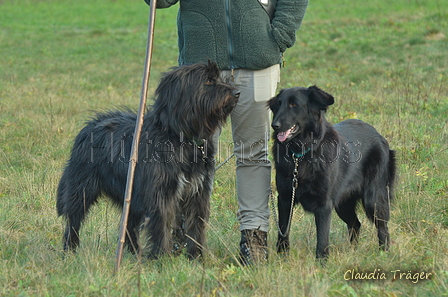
(337, 166)
(175, 169)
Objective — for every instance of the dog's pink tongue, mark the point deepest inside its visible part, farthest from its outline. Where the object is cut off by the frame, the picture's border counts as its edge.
(283, 135)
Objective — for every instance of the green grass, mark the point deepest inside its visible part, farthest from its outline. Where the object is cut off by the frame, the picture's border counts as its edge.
(385, 62)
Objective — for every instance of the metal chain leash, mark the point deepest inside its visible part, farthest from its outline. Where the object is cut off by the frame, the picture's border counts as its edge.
(295, 184)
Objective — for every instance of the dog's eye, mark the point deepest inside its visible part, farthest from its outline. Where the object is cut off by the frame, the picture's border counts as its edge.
(292, 104)
(210, 81)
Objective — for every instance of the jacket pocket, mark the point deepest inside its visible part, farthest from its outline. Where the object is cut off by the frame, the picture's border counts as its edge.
(258, 44)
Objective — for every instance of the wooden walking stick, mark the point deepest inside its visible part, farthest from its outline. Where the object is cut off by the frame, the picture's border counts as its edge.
(138, 127)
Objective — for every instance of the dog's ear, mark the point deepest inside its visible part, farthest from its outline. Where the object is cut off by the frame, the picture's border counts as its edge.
(273, 102)
(212, 67)
(320, 98)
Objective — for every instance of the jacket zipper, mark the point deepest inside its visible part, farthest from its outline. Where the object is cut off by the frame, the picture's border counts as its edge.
(229, 36)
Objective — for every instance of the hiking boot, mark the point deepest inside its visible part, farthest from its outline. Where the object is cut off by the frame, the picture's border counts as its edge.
(253, 247)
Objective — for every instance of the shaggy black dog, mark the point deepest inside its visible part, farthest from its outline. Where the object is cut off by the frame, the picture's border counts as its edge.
(328, 167)
(175, 169)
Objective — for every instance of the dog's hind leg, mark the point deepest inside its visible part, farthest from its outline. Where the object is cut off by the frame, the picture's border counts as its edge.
(376, 205)
(74, 202)
(347, 212)
(71, 234)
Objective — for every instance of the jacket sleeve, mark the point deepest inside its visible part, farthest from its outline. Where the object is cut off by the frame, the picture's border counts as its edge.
(287, 20)
(163, 3)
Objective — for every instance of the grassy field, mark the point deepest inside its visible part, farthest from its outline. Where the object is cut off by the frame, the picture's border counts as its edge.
(386, 62)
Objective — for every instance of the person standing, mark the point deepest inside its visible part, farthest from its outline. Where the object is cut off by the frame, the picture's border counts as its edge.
(247, 39)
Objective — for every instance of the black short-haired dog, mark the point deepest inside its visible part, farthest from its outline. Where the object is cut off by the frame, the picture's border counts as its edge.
(174, 173)
(325, 167)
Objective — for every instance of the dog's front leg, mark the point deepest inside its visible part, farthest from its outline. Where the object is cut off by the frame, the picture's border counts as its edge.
(322, 216)
(196, 221)
(283, 243)
(284, 213)
(132, 231)
(160, 224)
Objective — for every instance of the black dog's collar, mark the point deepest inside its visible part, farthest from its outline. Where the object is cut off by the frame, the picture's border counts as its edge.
(199, 143)
(300, 155)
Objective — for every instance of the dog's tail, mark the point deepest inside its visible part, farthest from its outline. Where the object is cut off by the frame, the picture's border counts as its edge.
(392, 171)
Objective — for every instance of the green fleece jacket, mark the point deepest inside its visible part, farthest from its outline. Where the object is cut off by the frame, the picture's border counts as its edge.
(235, 33)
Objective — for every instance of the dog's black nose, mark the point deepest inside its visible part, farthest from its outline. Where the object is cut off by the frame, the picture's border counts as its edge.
(236, 93)
(275, 125)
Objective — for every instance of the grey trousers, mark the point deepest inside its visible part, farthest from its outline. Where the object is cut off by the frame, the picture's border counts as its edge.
(251, 131)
